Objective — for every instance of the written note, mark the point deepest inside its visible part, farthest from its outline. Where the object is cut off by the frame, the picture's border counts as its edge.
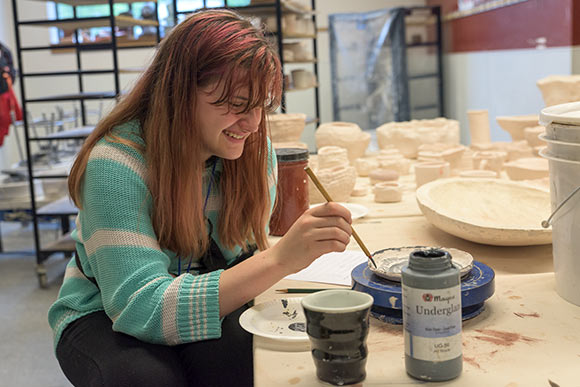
(331, 268)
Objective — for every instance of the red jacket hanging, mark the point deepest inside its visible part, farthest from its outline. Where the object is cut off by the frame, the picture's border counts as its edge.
(9, 108)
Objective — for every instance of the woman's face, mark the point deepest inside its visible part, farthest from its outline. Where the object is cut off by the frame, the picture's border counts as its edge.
(223, 128)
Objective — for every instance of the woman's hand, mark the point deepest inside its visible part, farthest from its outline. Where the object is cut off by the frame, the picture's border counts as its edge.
(320, 230)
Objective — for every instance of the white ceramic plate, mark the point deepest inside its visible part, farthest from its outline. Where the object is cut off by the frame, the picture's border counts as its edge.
(356, 210)
(390, 262)
(281, 319)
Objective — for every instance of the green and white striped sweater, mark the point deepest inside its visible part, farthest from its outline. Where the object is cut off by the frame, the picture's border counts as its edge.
(116, 244)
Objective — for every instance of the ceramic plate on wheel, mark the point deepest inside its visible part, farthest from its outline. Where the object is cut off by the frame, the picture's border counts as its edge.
(281, 319)
(390, 262)
(356, 210)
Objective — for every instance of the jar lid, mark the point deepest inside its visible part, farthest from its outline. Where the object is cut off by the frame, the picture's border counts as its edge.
(291, 154)
(566, 113)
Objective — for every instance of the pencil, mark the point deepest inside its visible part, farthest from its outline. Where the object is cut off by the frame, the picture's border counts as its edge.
(301, 290)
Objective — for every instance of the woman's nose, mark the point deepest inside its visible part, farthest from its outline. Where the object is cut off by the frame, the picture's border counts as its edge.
(251, 120)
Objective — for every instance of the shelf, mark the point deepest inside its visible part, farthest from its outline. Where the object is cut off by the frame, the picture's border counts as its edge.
(298, 36)
(64, 73)
(90, 22)
(425, 107)
(423, 76)
(422, 44)
(93, 2)
(74, 97)
(71, 134)
(60, 207)
(291, 89)
(63, 244)
(95, 46)
(300, 61)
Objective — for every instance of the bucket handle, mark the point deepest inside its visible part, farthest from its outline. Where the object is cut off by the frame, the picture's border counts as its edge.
(546, 223)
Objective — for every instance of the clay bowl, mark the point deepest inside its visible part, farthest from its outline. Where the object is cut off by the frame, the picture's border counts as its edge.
(528, 168)
(515, 125)
(532, 136)
(286, 127)
(494, 211)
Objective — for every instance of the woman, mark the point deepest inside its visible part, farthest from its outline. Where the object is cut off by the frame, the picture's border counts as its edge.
(174, 189)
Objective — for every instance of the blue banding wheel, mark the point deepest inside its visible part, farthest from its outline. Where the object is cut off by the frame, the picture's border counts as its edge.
(476, 287)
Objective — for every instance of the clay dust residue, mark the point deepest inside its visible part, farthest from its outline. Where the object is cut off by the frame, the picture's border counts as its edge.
(503, 338)
(514, 297)
(522, 315)
(471, 361)
(294, 381)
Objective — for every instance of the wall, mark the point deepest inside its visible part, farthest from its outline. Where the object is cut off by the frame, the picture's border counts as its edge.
(493, 59)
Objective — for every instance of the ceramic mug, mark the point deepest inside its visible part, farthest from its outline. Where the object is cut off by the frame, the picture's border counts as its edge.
(337, 323)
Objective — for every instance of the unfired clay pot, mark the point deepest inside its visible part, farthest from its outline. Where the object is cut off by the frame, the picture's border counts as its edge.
(380, 175)
(338, 181)
(365, 165)
(515, 125)
(558, 89)
(394, 162)
(286, 127)
(527, 168)
(479, 126)
(452, 153)
(408, 136)
(531, 135)
(388, 192)
(332, 156)
(489, 160)
(346, 135)
(431, 170)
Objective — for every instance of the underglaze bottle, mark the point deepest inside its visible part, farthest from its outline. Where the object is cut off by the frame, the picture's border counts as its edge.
(431, 289)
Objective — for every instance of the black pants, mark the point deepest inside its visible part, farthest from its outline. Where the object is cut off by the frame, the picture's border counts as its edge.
(90, 353)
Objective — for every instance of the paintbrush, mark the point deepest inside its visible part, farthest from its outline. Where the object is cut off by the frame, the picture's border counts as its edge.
(320, 187)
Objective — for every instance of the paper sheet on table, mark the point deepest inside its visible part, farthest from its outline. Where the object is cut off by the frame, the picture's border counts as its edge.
(331, 268)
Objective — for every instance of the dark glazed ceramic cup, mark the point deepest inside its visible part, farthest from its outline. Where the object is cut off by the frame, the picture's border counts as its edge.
(337, 323)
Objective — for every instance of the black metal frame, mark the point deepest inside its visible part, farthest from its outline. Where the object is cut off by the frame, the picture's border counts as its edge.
(43, 254)
(280, 40)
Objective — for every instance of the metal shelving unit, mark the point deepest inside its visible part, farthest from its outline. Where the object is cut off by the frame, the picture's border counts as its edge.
(62, 208)
(279, 8)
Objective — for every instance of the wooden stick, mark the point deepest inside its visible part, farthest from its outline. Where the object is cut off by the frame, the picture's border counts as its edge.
(322, 190)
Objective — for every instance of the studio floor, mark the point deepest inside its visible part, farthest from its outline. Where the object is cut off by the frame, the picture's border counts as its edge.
(26, 349)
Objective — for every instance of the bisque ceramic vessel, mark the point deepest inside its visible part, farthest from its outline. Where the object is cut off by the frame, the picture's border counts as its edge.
(531, 135)
(346, 135)
(408, 136)
(479, 126)
(559, 89)
(515, 125)
(364, 165)
(338, 181)
(452, 153)
(286, 127)
(489, 160)
(388, 192)
(431, 170)
(527, 168)
(380, 175)
(395, 162)
(493, 211)
(332, 156)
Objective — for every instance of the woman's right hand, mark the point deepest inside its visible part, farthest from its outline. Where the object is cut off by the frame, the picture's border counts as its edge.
(320, 230)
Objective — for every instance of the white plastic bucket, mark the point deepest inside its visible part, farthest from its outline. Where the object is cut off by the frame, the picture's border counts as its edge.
(564, 179)
(561, 149)
(563, 132)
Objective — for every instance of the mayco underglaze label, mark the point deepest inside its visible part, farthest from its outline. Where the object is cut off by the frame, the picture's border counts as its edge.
(432, 321)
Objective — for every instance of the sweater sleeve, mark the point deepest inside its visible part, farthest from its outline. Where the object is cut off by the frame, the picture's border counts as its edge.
(120, 249)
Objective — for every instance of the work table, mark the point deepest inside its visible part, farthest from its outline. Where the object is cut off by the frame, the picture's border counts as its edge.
(527, 334)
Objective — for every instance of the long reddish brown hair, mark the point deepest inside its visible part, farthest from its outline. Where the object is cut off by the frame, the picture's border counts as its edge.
(208, 47)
